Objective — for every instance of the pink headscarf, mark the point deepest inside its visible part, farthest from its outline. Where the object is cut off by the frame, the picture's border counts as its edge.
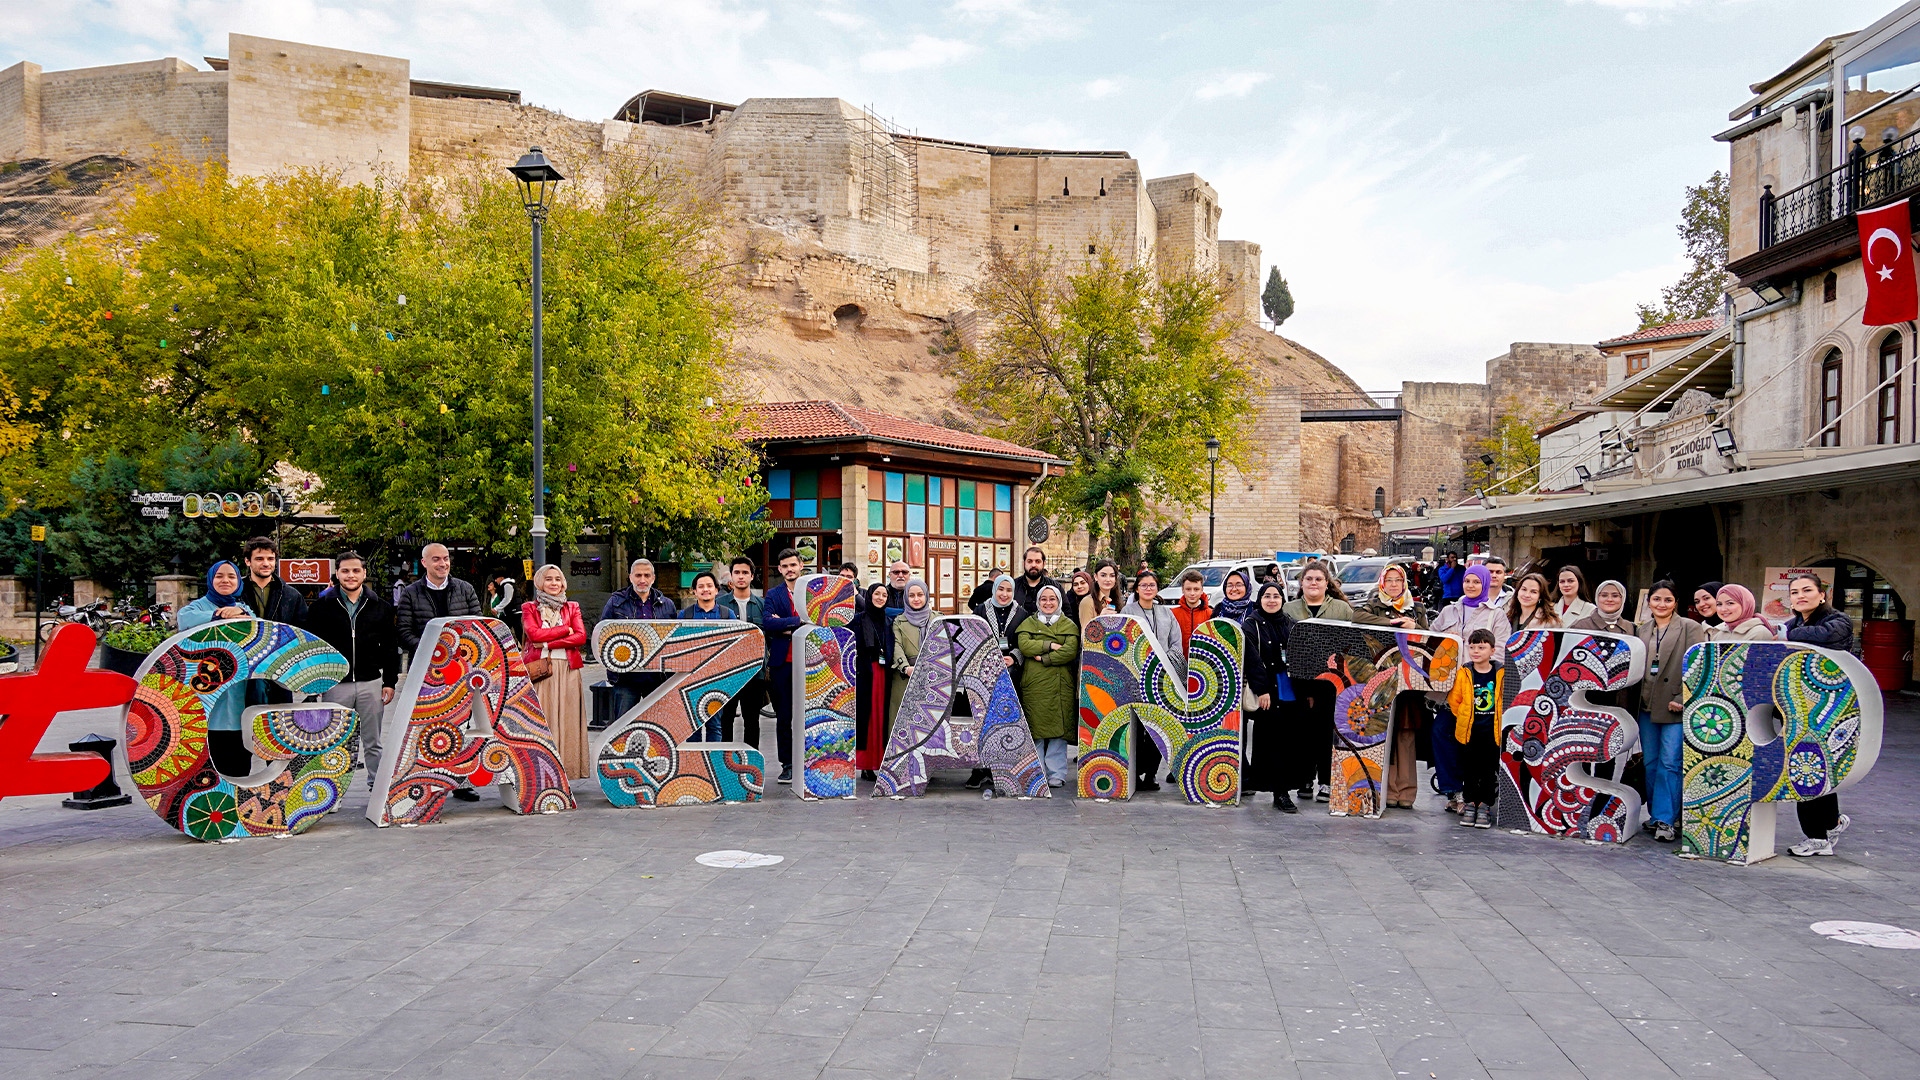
(1742, 596)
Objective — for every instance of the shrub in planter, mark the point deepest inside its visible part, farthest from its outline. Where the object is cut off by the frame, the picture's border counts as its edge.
(123, 649)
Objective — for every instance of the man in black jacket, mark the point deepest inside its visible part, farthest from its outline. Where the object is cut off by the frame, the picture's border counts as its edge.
(437, 595)
(359, 625)
(1026, 587)
(271, 599)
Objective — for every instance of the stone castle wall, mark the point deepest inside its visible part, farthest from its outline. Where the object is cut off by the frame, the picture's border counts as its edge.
(1259, 510)
(130, 109)
(1537, 371)
(303, 105)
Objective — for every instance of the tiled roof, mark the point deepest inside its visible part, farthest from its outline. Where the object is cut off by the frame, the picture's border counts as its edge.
(786, 421)
(1683, 328)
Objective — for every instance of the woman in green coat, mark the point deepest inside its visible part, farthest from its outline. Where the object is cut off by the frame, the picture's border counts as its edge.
(1049, 693)
(909, 630)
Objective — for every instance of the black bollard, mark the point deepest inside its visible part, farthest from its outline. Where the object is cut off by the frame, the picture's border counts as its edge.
(107, 792)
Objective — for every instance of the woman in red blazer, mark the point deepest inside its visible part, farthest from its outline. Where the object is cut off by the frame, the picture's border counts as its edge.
(555, 632)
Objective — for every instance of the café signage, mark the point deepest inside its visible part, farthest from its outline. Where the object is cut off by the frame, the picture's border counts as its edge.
(161, 504)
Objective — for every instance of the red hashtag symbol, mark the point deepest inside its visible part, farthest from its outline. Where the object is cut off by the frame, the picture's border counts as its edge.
(28, 704)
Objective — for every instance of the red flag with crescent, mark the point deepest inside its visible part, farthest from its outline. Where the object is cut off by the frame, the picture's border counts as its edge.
(1886, 256)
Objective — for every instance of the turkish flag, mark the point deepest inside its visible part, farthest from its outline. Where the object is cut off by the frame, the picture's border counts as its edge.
(1886, 255)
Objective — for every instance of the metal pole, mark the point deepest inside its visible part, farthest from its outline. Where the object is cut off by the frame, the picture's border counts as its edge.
(39, 600)
(539, 407)
(1212, 494)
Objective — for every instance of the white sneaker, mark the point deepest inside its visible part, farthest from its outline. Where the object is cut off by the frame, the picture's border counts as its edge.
(1811, 847)
(1840, 828)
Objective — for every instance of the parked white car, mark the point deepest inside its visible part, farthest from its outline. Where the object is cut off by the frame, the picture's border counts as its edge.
(1214, 572)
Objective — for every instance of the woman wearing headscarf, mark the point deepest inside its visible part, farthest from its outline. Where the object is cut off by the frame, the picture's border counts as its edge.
(1609, 611)
(1392, 603)
(909, 631)
(1706, 604)
(1049, 693)
(1236, 598)
(1165, 628)
(1271, 761)
(873, 647)
(1004, 615)
(555, 633)
(1079, 592)
(222, 601)
(1571, 604)
(1739, 618)
(1462, 617)
(1668, 635)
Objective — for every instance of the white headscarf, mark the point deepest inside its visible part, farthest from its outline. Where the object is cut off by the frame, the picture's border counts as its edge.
(1046, 619)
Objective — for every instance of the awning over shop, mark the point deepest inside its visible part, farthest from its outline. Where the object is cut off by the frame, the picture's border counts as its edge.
(1708, 366)
(1880, 465)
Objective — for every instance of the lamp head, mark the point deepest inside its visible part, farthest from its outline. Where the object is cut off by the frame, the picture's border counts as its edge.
(1213, 448)
(538, 178)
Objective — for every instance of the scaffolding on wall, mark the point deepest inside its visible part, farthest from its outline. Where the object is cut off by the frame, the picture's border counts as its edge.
(888, 160)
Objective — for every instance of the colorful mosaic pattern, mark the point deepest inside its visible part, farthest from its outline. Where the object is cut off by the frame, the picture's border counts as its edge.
(1828, 712)
(1125, 676)
(824, 680)
(1368, 666)
(467, 716)
(1552, 735)
(959, 656)
(305, 746)
(648, 757)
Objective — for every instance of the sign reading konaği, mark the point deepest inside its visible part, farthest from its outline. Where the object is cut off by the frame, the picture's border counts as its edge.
(161, 504)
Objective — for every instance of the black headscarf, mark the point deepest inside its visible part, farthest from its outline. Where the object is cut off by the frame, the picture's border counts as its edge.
(1276, 623)
(1713, 587)
(1236, 610)
(873, 629)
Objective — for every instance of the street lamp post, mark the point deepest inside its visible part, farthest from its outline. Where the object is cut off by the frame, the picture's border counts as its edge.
(538, 180)
(1213, 491)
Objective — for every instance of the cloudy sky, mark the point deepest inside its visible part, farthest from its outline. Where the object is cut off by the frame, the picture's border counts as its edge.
(1435, 179)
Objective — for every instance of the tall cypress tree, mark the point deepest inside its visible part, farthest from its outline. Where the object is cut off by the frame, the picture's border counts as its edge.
(1276, 298)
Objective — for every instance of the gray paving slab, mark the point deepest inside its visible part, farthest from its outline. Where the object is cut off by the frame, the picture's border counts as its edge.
(947, 937)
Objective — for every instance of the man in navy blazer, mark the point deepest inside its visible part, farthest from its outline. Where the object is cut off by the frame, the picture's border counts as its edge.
(780, 618)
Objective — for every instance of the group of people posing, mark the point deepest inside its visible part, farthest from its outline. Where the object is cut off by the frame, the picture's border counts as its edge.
(1036, 622)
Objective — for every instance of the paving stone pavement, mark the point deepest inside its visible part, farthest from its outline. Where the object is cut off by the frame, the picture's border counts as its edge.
(946, 937)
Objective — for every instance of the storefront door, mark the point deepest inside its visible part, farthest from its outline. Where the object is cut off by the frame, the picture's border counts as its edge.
(941, 567)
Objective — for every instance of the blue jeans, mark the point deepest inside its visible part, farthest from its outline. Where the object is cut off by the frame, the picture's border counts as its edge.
(1660, 747)
(1446, 755)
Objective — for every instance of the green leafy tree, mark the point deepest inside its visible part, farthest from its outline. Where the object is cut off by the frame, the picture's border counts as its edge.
(1120, 375)
(379, 337)
(1703, 227)
(1513, 446)
(1276, 298)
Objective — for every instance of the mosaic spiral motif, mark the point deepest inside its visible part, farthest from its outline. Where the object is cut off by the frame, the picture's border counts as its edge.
(1368, 666)
(467, 716)
(648, 757)
(1554, 736)
(303, 745)
(960, 655)
(824, 680)
(1828, 711)
(1195, 718)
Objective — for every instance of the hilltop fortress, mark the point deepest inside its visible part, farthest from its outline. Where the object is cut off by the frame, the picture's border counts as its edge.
(861, 240)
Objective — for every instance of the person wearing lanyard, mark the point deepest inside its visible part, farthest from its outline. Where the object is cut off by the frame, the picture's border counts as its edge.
(1668, 636)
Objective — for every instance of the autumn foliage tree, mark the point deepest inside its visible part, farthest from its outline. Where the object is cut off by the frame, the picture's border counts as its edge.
(1118, 373)
(378, 336)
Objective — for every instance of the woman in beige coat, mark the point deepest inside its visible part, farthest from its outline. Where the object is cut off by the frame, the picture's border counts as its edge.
(1668, 635)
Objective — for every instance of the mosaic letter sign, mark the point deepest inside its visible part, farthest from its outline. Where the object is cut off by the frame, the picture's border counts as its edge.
(467, 716)
(1368, 666)
(648, 757)
(1125, 675)
(1553, 735)
(823, 680)
(1767, 723)
(29, 703)
(959, 656)
(304, 746)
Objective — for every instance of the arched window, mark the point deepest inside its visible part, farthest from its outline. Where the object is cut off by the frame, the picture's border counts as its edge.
(1830, 399)
(1379, 500)
(1888, 429)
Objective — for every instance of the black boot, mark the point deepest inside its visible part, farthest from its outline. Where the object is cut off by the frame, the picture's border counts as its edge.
(979, 777)
(1284, 803)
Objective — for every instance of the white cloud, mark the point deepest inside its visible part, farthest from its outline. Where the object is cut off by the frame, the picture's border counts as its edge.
(1235, 84)
(1386, 247)
(1100, 88)
(924, 51)
(1639, 12)
(1023, 21)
